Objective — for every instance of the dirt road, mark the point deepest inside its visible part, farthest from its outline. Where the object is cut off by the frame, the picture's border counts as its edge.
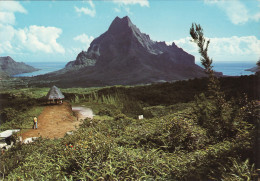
(54, 122)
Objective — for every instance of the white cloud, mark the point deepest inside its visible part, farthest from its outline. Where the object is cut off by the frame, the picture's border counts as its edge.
(33, 39)
(91, 4)
(127, 9)
(84, 39)
(6, 33)
(124, 4)
(40, 38)
(12, 6)
(7, 10)
(256, 17)
(117, 10)
(21, 36)
(132, 2)
(245, 48)
(86, 10)
(7, 18)
(236, 11)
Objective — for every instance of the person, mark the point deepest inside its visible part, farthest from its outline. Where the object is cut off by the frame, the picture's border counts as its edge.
(35, 122)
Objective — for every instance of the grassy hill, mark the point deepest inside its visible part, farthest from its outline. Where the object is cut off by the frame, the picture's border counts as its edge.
(184, 136)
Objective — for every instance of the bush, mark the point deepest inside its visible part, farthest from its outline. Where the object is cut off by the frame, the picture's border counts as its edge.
(184, 141)
(104, 112)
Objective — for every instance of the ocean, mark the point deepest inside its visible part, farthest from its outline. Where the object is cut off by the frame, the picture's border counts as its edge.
(227, 68)
(234, 68)
(45, 67)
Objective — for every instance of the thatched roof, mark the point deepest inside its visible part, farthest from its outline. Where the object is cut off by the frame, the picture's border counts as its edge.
(55, 93)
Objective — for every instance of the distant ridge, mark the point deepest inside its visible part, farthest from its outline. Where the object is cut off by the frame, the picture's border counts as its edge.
(254, 69)
(10, 67)
(123, 55)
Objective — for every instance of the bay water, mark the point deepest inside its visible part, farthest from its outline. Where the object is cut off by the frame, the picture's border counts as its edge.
(234, 68)
(45, 67)
(227, 68)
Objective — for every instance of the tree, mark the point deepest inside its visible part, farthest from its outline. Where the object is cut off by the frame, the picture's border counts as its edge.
(222, 118)
(197, 35)
(213, 112)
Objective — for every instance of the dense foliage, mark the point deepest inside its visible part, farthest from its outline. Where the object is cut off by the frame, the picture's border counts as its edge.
(180, 139)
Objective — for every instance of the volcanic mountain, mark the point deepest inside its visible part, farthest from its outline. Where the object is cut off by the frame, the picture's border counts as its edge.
(123, 55)
(10, 67)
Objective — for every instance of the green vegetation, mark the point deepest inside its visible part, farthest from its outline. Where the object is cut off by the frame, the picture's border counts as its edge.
(19, 107)
(201, 129)
(176, 141)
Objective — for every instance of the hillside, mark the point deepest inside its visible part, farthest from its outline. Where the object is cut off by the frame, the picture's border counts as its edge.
(3, 74)
(124, 55)
(10, 67)
(181, 138)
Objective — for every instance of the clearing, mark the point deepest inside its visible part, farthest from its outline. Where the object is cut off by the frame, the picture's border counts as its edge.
(56, 120)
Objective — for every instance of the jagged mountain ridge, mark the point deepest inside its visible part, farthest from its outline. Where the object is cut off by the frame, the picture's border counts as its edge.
(11, 67)
(124, 38)
(124, 55)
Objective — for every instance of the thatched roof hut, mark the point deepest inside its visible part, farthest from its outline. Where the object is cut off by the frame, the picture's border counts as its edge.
(54, 94)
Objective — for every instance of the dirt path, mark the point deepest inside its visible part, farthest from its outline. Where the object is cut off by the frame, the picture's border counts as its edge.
(54, 122)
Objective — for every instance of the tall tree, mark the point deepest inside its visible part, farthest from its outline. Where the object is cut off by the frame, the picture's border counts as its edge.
(197, 35)
(215, 115)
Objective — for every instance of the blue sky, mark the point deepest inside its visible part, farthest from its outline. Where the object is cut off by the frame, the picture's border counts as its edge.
(58, 30)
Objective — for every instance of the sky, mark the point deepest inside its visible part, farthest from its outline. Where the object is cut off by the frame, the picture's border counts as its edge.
(56, 31)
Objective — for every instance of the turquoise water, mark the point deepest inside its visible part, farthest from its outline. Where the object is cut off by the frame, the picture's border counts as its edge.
(46, 67)
(234, 68)
(229, 68)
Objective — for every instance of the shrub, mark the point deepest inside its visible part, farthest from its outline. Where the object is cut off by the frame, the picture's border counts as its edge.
(103, 112)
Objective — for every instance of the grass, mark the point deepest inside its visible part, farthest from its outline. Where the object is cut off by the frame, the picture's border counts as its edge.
(171, 143)
(128, 149)
(35, 111)
(26, 92)
(25, 119)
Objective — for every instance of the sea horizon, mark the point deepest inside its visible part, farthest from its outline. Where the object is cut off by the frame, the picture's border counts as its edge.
(227, 68)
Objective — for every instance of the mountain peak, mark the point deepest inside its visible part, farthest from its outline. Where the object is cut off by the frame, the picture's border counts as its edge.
(120, 24)
(7, 58)
(125, 19)
(125, 55)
